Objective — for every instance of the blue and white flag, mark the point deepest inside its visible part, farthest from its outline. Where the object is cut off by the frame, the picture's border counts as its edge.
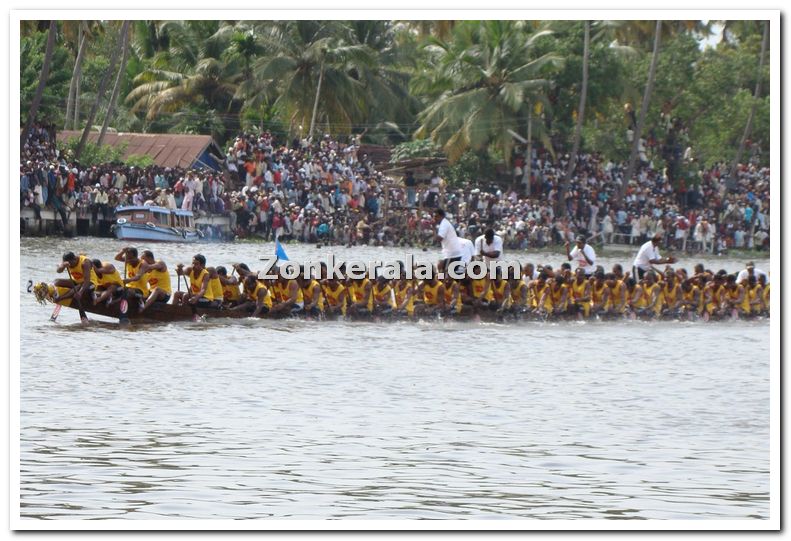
(280, 253)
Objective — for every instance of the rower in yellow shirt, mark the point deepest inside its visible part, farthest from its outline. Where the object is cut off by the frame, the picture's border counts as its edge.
(136, 283)
(200, 293)
(361, 300)
(383, 296)
(580, 294)
(157, 278)
(82, 277)
(691, 303)
(108, 282)
(231, 295)
(335, 296)
(256, 298)
(312, 294)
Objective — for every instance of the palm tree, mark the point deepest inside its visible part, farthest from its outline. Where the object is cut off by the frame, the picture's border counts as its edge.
(190, 73)
(580, 118)
(649, 86)
(750, 119)
(78, 34)
(117, 86)
(308, 60)
(42, 81)
(100, 92)
(483, 85)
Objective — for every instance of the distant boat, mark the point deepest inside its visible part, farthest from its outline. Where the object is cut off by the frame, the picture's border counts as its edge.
(155, 224)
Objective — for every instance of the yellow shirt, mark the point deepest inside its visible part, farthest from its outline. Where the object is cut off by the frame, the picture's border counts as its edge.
(308, 293)
(158, 278)
(253, 295)
(333, 296)
(76, 274)
(478, 290)
(384, 295)
(431, 293)
(230, 292)
(133, 271)
(357, 293)
(113, 278)
(401, 291)
(196, 282)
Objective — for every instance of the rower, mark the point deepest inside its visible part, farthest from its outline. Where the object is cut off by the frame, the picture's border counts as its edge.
(134, 279)
(257, 298)
(335, 295)
(311, 293)
(432, 292)
(580, 294)
(384, 299)
(289, 297)
(361, 299)
(199, 294)
(231, 296)
(158, 279)
(600, 294)
(691, 303)
(215, 285)
(404, 293)
(78, 267)
(652, 293)
(108, 282)
(558, 292)
(671, 294)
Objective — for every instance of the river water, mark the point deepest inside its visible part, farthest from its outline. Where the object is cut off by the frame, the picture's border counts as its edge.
(314, 420)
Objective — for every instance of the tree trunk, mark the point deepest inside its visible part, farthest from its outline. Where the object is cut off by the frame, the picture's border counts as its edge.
(42, 81)
(73, 83)
(316, 102)
(580, 118)
(638, 130)
(99, 95)
(529, 150)
(749, 127)
(117, 87)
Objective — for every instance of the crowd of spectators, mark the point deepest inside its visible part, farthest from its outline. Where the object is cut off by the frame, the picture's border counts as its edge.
(329, 191)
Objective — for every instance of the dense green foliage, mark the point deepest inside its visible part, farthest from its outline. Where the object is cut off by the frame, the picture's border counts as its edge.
(462, 85)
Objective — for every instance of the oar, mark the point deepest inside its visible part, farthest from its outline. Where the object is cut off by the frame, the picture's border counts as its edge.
(55, 312)
(124, 306)
(77, 300)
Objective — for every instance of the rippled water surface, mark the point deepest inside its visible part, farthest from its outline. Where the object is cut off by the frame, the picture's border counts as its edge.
(309, 420)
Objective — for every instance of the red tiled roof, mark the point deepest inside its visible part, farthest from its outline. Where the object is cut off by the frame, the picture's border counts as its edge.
(167, 150)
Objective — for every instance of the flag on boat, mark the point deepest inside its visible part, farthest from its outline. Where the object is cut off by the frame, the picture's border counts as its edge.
(280, 253)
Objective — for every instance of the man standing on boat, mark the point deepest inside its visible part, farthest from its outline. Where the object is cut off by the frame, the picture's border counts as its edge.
(489, 246)
(446, 234)
(583, 254)
(648, 255)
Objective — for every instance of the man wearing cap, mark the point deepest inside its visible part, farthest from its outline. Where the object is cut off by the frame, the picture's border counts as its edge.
(648, 255)
(749, 271)
(583, 254)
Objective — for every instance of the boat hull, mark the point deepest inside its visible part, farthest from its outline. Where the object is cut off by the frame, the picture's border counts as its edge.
(154, 233)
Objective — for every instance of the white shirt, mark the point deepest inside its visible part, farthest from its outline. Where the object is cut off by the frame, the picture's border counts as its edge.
(467, 250)
(646, 253)
(577, 255)
(450, 242)
(743, 275)
(482, 246)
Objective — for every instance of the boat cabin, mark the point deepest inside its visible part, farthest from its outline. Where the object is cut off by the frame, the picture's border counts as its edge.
(158, 216)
